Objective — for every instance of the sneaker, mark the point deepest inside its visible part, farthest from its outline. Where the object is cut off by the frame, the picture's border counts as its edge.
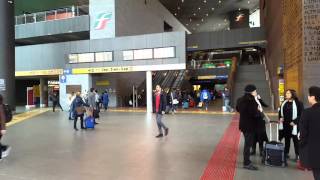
(6, 152)
(250, 167)
(159, 136)
(166, 132)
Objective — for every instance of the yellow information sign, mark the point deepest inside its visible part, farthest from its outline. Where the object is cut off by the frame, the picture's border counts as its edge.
(49, 72)
(102, 70)
(103, 83)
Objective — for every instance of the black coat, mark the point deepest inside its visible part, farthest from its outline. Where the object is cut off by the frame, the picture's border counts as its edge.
(310, 137)
(287, 113)
(249, 114)
(163, 103)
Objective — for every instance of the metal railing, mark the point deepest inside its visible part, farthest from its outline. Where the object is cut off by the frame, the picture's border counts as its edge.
(267, 74)
(56, 14)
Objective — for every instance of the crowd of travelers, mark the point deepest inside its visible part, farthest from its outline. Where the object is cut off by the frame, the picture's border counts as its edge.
(294, 122)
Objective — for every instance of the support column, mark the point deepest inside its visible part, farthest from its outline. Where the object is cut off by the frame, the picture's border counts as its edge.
(7, 52)
(133, 97)
(149, 91)
(43, 92)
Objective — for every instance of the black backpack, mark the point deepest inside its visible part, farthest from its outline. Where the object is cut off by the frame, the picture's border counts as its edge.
(7, 112)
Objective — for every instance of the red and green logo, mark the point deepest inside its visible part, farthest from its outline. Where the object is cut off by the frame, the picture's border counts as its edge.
(102, 21)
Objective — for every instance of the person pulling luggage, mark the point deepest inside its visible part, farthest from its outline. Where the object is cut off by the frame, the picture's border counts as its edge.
(250, 114)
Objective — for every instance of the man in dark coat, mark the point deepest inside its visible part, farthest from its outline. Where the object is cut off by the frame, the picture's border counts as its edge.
(160, 107)
(250, 114)
(310, 133)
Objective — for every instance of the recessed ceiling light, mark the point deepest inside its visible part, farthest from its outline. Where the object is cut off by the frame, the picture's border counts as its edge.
(194, 14)
(175, 14)
(199, 8)
(248, 2)
(190, 19)
(239, 9)
(198, 24)
(202, 20)
(205, 1)
(207, 14)
(178, 8)
(220, 2)
(182, 1)
(219, 24)
(187, 24)
(212, 9)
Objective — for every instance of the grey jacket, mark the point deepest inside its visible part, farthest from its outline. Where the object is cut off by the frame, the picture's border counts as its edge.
(92, 99)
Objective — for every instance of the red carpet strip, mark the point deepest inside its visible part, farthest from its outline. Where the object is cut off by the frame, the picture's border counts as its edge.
(222, 165)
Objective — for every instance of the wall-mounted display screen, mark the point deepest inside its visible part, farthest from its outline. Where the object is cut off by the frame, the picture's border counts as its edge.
(127, 55)
(168, 52)
(103, 56)
(143, 54)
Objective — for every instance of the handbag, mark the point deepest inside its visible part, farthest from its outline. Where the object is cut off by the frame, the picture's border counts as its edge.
(80, 110)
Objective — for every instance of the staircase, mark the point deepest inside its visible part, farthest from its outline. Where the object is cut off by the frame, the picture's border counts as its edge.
(252, 74)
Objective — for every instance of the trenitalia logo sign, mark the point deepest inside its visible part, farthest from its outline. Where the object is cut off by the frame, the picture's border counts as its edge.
(102, 20)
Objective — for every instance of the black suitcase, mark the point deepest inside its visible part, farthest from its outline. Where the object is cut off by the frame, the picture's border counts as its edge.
(274, 150)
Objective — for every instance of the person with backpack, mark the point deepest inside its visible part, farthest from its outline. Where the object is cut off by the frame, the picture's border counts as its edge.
(205, 98)
(78, 108)
(289, 117)
(4, 118)
(250, 115)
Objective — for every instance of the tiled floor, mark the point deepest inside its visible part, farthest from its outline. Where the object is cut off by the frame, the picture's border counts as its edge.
(122, 147)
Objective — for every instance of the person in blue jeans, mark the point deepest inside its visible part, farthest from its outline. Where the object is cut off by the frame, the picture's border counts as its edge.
(105, 100)
(226, 99)
(205, 98)
(160, 104)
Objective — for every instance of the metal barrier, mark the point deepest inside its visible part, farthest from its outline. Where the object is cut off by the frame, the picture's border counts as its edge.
(56, 14)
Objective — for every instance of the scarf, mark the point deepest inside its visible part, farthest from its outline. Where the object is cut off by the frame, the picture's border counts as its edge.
(258, 102)
(294, 109)
(294, 115)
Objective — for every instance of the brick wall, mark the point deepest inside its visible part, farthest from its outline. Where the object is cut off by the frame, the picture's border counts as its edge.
(292, 44)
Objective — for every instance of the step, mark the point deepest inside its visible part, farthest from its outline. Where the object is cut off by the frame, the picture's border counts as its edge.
(253, 68)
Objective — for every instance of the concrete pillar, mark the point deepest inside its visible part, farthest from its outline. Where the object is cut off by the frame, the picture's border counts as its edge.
(133, 97)
(7, 52)
(149, 91)
(43, 92)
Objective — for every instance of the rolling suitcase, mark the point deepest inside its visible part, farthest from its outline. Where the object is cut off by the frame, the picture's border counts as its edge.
(274, 150)
(185, 105)
(89, 121)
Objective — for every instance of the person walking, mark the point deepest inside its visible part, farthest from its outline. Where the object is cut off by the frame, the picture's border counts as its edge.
(78, 108)
(205, 98)
(105, 100)
(160, 107)
(226, 99)
(310, 133)
(250, 114)
(55, 101)
(289, 116)
(174, 100)
(92, 103)
(4, 149)
(70, 100)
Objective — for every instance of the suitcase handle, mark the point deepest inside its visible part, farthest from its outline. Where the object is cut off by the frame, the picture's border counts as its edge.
(270, 130)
